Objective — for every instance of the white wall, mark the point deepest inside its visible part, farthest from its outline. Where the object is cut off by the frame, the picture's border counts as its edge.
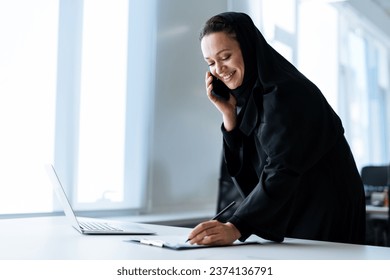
(186, 138)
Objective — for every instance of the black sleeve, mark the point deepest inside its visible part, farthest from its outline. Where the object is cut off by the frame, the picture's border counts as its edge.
(295, 132)
(232, 145)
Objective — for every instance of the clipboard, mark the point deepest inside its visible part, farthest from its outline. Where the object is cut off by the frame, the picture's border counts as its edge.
(170, 242)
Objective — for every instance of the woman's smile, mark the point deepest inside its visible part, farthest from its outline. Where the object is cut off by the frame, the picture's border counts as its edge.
(226, 78)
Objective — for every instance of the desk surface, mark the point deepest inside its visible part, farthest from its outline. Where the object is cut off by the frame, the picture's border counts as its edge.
(52, 238)
(377, 212)
(377, 209)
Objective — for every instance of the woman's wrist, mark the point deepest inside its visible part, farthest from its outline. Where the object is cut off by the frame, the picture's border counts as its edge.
(235, 231)
(229, 121)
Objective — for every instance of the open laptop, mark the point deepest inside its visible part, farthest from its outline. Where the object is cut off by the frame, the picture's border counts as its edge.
(90, 225)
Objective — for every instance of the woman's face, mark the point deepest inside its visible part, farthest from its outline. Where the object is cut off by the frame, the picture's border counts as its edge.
(223, 55)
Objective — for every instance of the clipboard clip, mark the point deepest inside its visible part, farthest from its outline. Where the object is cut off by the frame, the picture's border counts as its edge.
(157, 243)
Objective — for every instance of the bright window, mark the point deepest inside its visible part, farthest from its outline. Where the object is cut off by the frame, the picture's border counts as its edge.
(366, 95)
(102, 102)
(279, 26)
(28, 57)
(348, 58)
(65, 99)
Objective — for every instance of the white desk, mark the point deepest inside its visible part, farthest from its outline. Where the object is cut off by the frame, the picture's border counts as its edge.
(378, 212)
(52, 238)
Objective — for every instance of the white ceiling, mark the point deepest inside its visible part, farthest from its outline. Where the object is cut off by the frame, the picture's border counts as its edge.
(384, 5)
(376, 11)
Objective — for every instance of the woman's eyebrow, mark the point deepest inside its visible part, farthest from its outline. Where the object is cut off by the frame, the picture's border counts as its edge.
(218, 52)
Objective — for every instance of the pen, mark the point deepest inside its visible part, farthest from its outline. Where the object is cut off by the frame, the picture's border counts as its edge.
(220, 213)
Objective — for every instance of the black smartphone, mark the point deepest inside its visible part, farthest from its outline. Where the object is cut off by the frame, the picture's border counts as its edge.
(220, 90)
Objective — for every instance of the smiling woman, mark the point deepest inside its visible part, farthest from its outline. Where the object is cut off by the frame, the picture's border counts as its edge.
(223, 55)
(283, 145)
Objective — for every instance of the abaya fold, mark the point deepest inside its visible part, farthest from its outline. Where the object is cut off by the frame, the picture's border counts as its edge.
(288, 155)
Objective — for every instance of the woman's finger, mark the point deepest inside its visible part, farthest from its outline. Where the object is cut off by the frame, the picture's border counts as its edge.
(202, 230)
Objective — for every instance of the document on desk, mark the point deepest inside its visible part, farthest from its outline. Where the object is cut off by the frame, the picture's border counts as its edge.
(174, 242)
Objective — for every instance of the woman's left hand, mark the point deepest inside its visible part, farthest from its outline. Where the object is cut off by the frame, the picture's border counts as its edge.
(214, 233)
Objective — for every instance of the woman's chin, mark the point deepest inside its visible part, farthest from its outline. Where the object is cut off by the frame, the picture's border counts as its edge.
(232, 86)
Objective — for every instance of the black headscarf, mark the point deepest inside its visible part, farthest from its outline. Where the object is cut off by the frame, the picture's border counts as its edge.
(264, 67)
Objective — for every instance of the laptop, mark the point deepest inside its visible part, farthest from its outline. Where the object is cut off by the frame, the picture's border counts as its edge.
(91, 225)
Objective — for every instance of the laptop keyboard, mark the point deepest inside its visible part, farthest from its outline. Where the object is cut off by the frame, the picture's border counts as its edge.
(96, 226)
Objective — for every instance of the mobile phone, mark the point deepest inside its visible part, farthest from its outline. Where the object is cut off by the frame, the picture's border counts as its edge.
(220, 90)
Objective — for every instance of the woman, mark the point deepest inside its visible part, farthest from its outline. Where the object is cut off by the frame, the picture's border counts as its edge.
(283, 145)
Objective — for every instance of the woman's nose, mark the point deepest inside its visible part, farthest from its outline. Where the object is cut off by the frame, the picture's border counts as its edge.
(219, 67)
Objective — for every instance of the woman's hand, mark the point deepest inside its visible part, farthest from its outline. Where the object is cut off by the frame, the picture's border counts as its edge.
(214, 233)
(227, 108)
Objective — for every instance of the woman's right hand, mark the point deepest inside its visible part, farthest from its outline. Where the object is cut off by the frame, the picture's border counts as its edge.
(227, 108)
